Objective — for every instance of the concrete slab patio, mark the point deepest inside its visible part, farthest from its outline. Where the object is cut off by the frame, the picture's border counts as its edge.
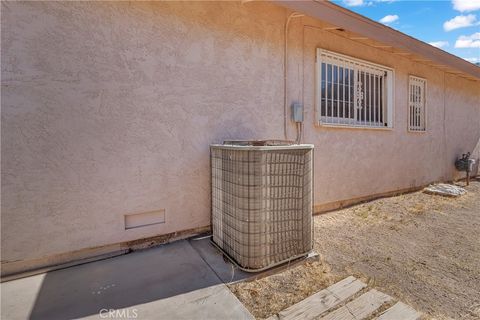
(230, 273)
(168, 282)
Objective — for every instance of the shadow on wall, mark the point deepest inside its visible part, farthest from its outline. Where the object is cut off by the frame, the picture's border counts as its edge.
(476, 155)
(122, 282)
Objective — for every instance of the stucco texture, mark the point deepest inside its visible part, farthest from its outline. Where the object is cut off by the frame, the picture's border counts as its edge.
(109, 109)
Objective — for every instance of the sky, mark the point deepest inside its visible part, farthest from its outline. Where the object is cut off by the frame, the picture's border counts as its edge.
(451, 25)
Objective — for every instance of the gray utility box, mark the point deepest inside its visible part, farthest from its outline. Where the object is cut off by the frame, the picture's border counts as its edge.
(262, 201)
(465, 164)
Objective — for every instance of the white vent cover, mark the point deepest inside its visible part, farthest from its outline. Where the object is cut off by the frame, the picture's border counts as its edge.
(262, 201)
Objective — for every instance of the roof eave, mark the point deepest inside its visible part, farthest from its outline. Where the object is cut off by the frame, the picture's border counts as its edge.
(348, 20)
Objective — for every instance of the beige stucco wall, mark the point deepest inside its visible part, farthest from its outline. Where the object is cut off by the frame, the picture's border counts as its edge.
(109, 108)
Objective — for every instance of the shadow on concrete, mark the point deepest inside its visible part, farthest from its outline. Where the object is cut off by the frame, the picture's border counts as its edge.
(224, 269)
(122, 282)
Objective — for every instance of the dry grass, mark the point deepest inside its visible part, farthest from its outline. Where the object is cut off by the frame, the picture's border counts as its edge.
(421, 249)
(272, 294)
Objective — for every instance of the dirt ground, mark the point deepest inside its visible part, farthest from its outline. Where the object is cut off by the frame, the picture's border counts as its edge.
(421, 249)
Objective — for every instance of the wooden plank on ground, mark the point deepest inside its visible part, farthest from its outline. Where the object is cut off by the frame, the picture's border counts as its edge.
(324, 300)
(400, 311)
(359, 308)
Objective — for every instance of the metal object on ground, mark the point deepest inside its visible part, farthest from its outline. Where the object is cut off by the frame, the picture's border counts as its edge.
(262, 201)
(465, 164)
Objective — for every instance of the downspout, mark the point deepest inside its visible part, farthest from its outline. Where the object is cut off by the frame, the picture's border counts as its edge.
(285, 69)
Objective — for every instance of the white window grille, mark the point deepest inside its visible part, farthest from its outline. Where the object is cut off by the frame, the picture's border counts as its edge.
(416, 102)
(353, 92)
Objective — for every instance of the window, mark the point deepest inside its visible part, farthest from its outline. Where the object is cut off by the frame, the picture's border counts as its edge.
(352, 92)
(416, 104)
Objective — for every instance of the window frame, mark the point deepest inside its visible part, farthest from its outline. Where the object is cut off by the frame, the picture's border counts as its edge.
(425, 118)
(356, 124)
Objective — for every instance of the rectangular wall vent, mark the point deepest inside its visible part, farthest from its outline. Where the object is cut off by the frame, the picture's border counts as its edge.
(144, 219)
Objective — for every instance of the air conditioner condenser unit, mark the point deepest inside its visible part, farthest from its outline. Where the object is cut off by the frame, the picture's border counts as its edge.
(262, 201)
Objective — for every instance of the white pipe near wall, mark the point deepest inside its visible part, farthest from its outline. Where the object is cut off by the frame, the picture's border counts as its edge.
(285, 71)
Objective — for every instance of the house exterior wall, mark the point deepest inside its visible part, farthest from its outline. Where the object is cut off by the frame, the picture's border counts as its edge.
(108, 109)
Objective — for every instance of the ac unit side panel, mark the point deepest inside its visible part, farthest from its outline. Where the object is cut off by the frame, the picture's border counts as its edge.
(262, 204)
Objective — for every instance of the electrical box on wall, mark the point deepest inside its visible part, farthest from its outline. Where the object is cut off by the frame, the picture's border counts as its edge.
(297, 112)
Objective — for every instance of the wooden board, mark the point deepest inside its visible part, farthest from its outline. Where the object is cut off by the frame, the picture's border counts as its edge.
(359, 308)
(324, 300)
(400, 311)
